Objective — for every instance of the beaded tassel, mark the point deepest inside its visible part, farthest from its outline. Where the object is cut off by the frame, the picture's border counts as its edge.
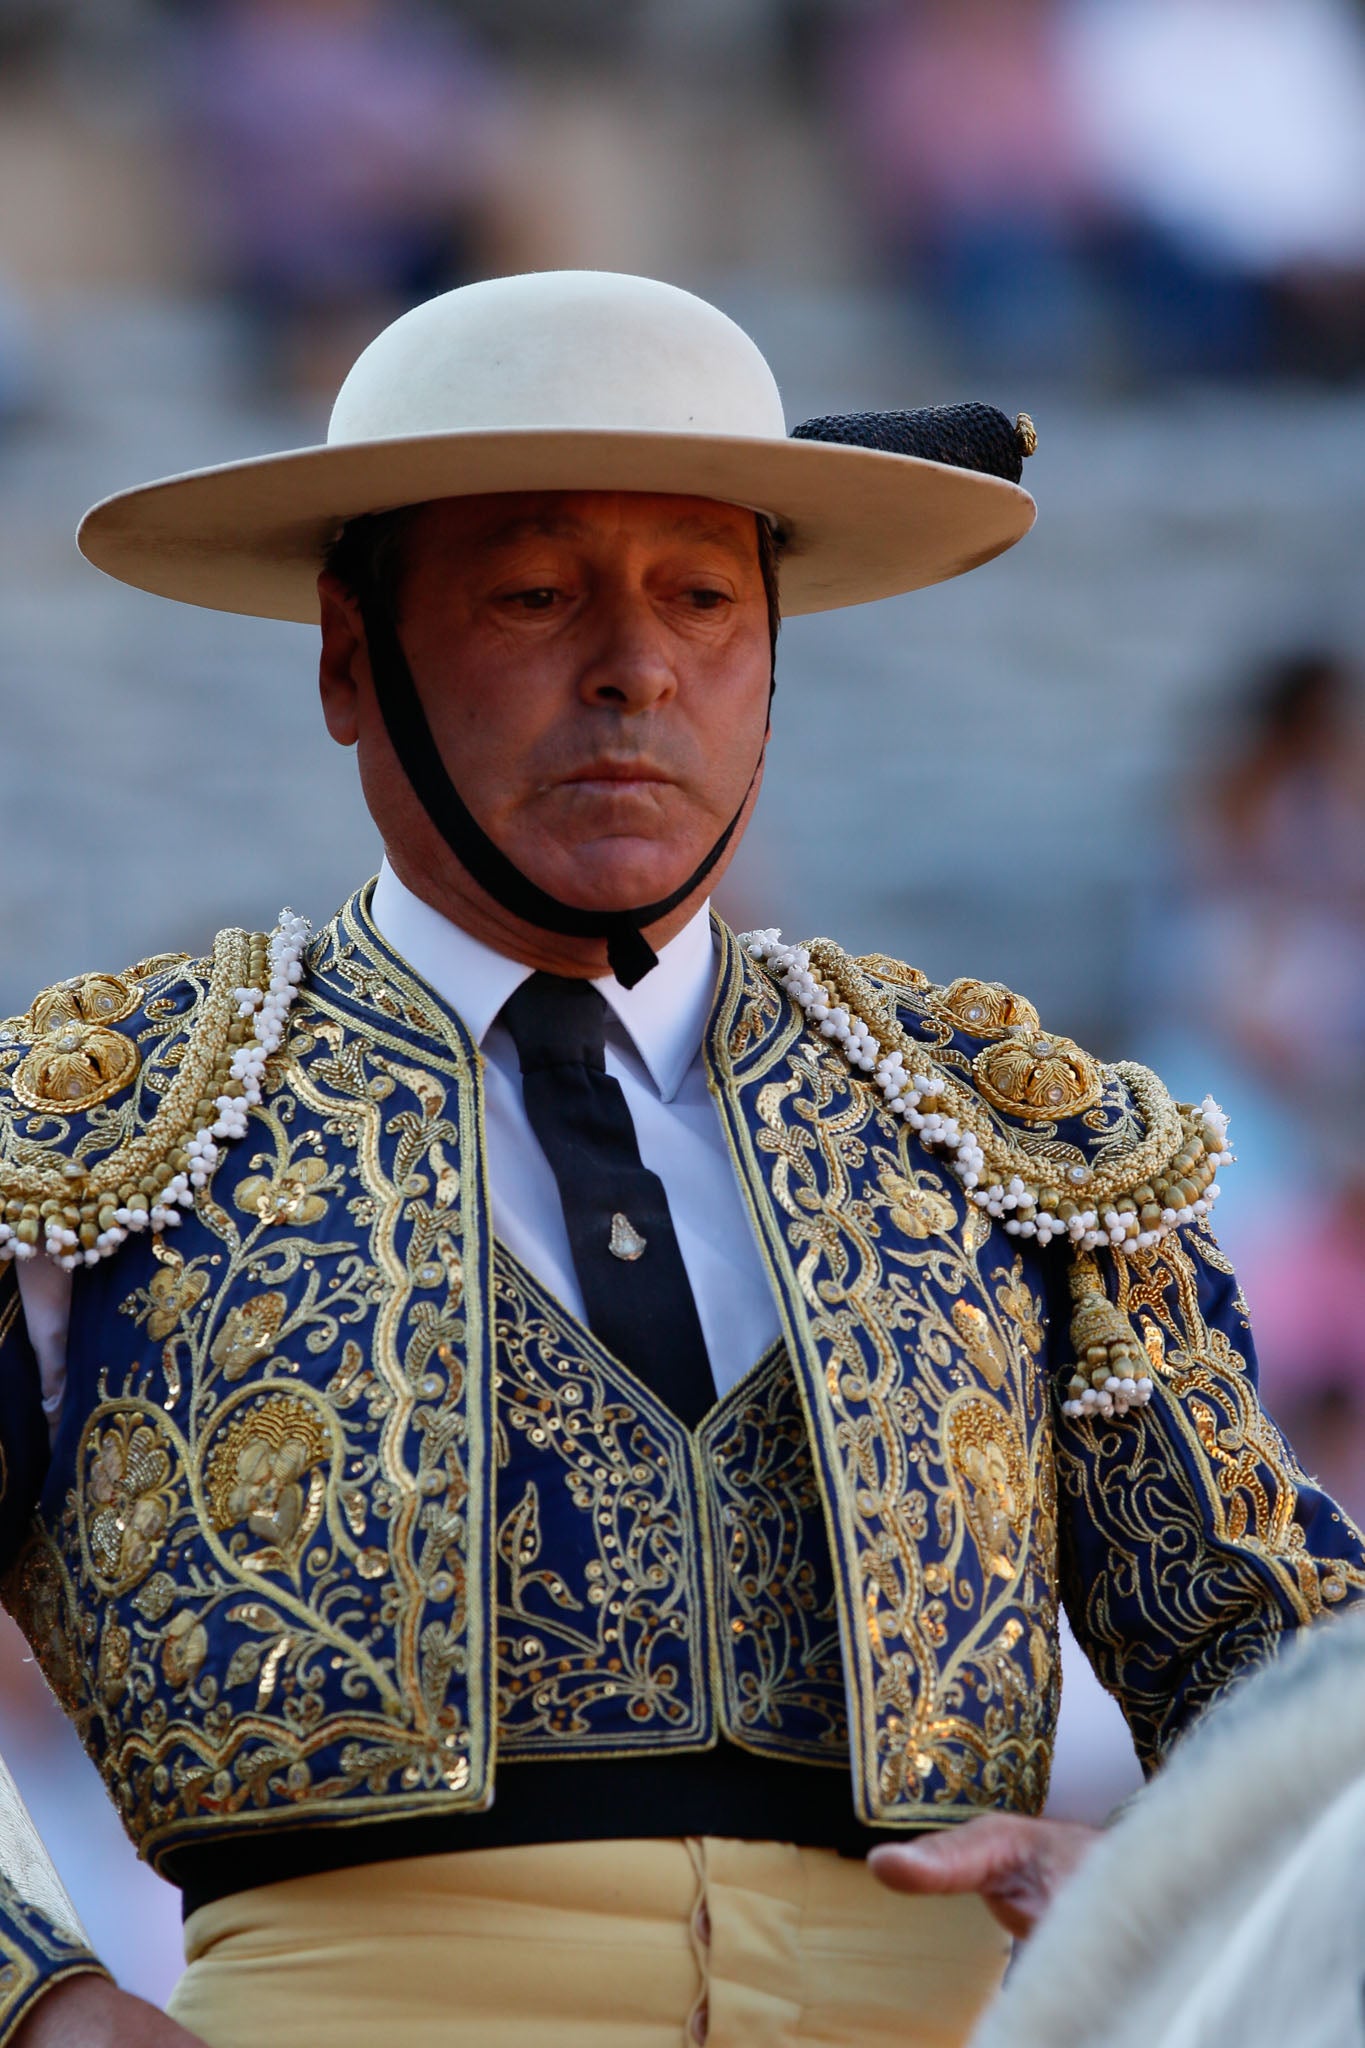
(1110, 1374)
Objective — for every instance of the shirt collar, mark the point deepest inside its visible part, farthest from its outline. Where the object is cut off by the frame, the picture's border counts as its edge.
(664, 1015)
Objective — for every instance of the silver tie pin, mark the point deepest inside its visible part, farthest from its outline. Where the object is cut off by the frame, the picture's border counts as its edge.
(626, 1241)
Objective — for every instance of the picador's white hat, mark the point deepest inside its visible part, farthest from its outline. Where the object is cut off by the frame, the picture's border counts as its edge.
(566, 380)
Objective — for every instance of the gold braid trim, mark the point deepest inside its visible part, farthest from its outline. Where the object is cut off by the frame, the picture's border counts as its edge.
(134, 1172)
(1167, 1132)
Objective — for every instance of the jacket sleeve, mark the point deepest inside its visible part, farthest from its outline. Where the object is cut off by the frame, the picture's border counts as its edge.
(1190, 1538)
(23, 1426)
(41, 1939)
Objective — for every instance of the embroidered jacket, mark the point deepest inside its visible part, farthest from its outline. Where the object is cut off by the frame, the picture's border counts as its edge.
(343, 1506)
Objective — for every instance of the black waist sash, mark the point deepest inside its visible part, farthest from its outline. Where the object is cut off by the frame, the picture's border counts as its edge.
(721, 1791)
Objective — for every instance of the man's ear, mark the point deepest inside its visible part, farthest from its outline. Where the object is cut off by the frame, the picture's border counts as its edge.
(344, 664)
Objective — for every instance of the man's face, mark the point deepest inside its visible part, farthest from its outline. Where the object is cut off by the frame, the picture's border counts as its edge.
(594, 667)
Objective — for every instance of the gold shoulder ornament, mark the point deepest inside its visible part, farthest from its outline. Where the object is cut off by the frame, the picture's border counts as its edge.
(55, 1195)
(1022, 1076)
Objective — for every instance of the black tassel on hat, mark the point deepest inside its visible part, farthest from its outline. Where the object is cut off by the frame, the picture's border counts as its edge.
(968, 436)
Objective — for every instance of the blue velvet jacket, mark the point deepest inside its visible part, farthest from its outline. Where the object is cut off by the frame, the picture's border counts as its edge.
(343, 1506)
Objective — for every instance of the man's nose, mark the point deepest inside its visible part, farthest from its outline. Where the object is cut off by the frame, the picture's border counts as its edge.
(629, 663)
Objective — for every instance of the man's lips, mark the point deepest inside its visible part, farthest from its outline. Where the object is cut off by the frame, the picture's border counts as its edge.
(614, 775)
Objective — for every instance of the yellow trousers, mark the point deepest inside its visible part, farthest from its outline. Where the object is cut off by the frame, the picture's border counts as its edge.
(658, 1944)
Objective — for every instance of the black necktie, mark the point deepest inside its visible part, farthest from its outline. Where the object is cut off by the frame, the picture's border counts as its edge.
(625, 1252)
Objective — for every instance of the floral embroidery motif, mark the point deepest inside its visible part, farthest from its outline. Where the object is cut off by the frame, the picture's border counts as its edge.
(130, 1486)
(249, 1331)
(173, 1291)
(286, 1197)
(255, 1474)
(988, 1457)
(918, 1210)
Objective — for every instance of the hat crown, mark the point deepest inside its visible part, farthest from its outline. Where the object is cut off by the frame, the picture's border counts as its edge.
(566, 349)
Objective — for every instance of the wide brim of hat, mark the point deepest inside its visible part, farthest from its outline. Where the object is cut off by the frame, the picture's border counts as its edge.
(250, 536)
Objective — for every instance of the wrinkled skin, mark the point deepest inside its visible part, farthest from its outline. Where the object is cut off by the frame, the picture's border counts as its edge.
(594, 667)
(1017, 1865)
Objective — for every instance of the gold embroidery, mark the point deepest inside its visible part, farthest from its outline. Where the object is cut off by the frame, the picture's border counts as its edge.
(286, 1197)
(616, 1627)
(887, 969)
(1143, 1153)
(249, 1332)
(254, 1474)
(782, 1671)
(917, 1210)
(75, 1066)
(1021, 1304)
(1204, 1512)
(981, 1007)
(988, 1457)
(88, 999)
(127, 1153)
(937, 1643)
(132, 1490)
(184, 1647)
(309, 1496)
(1041, 1079)
(982, 1343)
(1008, 1151)
(173, 1291)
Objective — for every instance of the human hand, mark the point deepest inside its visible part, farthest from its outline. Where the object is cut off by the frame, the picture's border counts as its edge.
(90, 2012)
(1017, 1865)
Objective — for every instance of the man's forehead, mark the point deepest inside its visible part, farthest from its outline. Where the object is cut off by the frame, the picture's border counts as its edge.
(505, 519)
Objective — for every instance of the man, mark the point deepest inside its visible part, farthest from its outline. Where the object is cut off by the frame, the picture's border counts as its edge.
(554, 1410)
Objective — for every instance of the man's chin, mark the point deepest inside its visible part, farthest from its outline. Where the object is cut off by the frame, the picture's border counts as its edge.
(623, 875)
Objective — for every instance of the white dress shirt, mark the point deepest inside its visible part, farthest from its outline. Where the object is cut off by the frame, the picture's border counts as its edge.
(654, 1048)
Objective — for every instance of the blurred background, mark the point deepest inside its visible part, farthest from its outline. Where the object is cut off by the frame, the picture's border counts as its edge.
(1122, 769)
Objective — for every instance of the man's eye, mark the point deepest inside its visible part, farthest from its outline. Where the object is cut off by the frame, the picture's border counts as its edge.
(706, 600)
(537, 600)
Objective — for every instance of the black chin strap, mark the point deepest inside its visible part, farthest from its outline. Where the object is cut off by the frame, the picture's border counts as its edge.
(629, 953)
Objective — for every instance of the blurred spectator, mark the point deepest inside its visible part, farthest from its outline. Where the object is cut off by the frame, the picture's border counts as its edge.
(1308, 1272)
(1139, 187)
(1230, 134)
(1266, 957)
(958, 121)
(1278, 894)
(345, 150)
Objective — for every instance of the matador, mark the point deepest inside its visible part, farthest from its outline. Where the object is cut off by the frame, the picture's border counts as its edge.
(540, 1432)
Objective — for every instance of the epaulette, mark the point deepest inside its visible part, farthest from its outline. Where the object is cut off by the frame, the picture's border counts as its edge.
(1047, 1139)
(118, 1090)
